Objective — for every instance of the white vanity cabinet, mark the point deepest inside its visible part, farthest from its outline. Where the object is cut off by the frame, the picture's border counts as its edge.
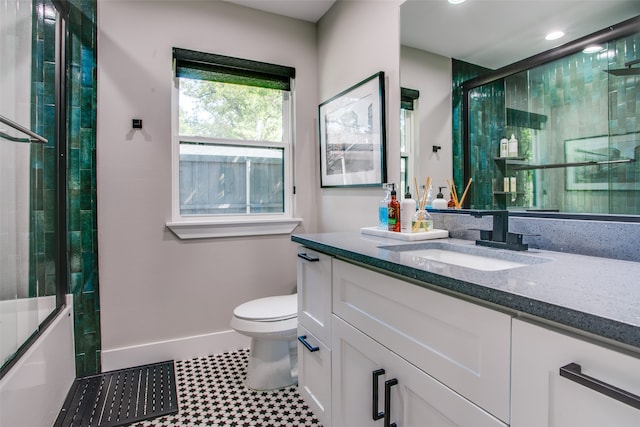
(462, 345)
(314, 332)
(543, 397)
(373, 386)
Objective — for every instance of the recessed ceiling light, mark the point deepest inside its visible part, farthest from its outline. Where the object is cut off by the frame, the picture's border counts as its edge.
(593, 49)
(456, 1)
(555, 35)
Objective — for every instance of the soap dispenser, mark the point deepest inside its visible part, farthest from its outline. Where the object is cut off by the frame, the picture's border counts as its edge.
(393, 210)
(504, 147)
(407, 208)
(383, 216)
(513, 146)
(440, 202)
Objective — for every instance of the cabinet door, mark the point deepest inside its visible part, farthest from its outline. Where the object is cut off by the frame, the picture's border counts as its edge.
(541, 397)
(463, 345)
(314, 293)
(417, 400)
(314, 375)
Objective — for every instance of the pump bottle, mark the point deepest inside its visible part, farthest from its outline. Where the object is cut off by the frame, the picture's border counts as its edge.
(513, 146)
(407, 209)
(440, 202)
(383, 216)
(393, 210)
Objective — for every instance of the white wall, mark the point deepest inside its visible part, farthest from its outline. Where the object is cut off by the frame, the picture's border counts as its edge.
(431, 75)
(356, 39)
(156, 290)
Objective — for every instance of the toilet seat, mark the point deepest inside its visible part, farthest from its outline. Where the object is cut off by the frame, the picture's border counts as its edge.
(269, 309)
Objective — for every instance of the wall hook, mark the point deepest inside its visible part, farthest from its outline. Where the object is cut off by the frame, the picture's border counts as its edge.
(436, 148)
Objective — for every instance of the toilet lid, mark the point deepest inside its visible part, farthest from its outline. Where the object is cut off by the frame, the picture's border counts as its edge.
(268, 309)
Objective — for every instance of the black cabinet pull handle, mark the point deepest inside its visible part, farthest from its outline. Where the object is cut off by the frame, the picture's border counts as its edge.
(375, 414)
(309, 258)
(303, 340)
(573, 372)
(387, 402)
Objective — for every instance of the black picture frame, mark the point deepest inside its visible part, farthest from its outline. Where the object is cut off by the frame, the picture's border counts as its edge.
(352, 135)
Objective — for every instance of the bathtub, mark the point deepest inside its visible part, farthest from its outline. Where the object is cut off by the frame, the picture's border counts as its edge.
(33, 391)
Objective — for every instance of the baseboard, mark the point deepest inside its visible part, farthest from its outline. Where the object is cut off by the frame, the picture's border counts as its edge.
(178, 349)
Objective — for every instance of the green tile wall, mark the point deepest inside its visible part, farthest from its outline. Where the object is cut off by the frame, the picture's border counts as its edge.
(82, 246)
(42, 273)
(578, 99)
(461, 71)
(82, 209)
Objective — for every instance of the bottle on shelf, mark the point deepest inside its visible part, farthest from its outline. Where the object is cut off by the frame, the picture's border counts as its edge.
(439, 202)
(393, 210)
(407, 208)
(451, 204)
(513, 146)
(429, 200)
(504, 147)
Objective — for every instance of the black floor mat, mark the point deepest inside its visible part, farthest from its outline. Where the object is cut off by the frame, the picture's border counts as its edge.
(120, 397)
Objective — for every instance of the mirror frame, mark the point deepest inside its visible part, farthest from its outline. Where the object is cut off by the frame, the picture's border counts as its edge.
(622, 29)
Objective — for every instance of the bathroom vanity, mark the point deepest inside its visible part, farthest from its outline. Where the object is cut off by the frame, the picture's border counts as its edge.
(399, 334)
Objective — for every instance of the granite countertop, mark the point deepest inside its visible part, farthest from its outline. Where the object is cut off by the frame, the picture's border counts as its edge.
(600, 296)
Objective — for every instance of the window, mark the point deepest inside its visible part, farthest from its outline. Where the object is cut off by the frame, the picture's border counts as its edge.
(407, 137)
(232, 148)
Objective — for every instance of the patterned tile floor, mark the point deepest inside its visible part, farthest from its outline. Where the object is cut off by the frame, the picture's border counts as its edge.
(211, 393)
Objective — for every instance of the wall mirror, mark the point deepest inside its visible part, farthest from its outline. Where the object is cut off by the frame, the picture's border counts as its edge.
(574, 116)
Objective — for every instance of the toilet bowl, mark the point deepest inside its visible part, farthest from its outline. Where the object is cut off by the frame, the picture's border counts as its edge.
(272, 324)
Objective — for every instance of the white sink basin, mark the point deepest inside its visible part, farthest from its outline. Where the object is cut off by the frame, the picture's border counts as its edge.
(467, 256)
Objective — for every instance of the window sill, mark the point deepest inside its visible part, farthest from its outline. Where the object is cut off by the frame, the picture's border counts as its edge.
(232, 228)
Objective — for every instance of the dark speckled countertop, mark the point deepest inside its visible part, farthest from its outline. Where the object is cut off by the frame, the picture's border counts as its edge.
(597, 295)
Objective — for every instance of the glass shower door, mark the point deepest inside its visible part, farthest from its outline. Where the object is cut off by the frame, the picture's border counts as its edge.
(28, 284)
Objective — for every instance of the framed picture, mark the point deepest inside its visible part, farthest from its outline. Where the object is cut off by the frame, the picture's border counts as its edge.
(616, 163)
(352, 136)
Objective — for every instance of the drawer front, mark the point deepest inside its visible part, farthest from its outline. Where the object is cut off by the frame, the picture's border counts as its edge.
(463, 345)
(314, 375)
(314, 293)
(541, 396)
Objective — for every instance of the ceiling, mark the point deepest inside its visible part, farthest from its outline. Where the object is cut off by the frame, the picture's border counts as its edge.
(490, 33)
(495, 33)
(306, 10)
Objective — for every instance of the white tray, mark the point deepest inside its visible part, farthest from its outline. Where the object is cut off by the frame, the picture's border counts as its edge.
(433, 234)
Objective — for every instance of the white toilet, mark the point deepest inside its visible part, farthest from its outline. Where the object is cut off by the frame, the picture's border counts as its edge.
(272, 324)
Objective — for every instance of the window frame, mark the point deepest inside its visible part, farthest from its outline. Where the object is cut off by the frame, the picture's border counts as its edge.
(232, 225)
(408, 101)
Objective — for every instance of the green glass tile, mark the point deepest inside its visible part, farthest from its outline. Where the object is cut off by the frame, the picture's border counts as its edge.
(74, 92)
(88, 266)
(86, 224)
(75, 284)
(49, 200)
(49, 40)
(81, 371)
(86, 147)
(49, 122)
(73, 174)
(37, 62)
(73, 211)
(87, 103)
(73, 128)
(86, 195)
